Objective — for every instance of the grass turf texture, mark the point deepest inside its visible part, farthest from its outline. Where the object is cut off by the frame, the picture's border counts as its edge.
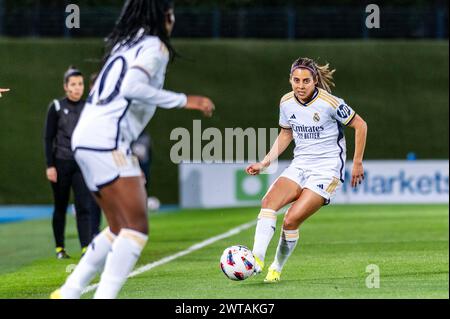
(409, 243)
(399, 87)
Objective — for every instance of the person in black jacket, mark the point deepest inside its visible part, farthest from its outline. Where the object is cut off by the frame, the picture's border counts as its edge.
(62, 169)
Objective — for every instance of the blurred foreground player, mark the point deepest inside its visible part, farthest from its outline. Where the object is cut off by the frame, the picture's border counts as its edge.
(122, 102)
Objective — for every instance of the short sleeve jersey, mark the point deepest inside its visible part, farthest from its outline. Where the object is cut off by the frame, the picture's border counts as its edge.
(109, 119)
(317, 126)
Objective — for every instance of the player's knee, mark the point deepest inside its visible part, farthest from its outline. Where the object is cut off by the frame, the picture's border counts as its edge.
(290, 223)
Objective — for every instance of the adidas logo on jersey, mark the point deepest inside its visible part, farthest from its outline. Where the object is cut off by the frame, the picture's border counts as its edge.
(293, 117)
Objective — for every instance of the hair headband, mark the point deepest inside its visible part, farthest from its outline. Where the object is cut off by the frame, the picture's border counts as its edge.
(295, 67)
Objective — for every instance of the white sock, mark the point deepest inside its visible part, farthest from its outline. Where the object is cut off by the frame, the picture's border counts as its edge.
(286, 245)
(265, 228)
(90, 264)
(120, 262)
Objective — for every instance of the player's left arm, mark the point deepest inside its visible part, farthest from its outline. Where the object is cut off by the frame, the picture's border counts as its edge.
(360, 127)
(136, 85)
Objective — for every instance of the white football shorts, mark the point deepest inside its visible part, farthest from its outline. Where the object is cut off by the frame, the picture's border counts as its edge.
(101, 168)
(324, 182)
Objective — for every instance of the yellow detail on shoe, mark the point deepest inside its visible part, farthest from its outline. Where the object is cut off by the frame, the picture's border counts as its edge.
(260, 263)
(84, 250)
(59, 249)
(56, 294)
(272, 276)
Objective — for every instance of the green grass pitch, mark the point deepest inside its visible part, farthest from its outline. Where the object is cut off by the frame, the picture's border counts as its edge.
(409, 243)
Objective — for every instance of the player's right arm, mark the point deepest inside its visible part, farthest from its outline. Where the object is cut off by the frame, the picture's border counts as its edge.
(281, 143)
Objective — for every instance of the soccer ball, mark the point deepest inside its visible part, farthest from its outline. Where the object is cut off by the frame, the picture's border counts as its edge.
(237, 262)
(153, 203)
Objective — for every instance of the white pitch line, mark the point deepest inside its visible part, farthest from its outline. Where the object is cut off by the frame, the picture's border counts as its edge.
(191, 249)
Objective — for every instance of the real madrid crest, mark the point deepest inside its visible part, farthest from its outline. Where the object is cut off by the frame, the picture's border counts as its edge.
(316, 117)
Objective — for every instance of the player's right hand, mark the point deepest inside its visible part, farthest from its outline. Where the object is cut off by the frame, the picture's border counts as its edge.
(255, 169)
(201, 103)
(52, 175)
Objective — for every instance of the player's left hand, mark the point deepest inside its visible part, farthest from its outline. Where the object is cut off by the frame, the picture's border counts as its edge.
(208, 107)
(357, 174)
(201, 103)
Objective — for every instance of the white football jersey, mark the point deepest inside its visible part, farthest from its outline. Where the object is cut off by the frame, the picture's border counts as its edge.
(111, 118)
(317, 128)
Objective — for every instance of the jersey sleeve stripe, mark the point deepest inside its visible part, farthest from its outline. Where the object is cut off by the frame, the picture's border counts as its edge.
(326, 99)
(331, 97)
(285, 127)
(350, 119)
(286, 97)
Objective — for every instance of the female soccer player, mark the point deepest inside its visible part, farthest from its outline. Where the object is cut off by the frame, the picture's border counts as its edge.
(122, 102)
(62, 170)
(313, 117)
(3, 91)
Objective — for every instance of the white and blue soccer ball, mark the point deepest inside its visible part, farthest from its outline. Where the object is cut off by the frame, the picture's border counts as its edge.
(237, 262)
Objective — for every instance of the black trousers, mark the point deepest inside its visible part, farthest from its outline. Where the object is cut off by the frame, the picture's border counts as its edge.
(88, 213)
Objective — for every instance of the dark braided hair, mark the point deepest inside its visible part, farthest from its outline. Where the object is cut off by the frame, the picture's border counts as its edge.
(149, 15)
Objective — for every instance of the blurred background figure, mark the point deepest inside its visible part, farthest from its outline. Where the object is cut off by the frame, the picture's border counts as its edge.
(62, 170)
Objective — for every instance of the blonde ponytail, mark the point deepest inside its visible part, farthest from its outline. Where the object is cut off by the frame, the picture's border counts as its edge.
(325, 77)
